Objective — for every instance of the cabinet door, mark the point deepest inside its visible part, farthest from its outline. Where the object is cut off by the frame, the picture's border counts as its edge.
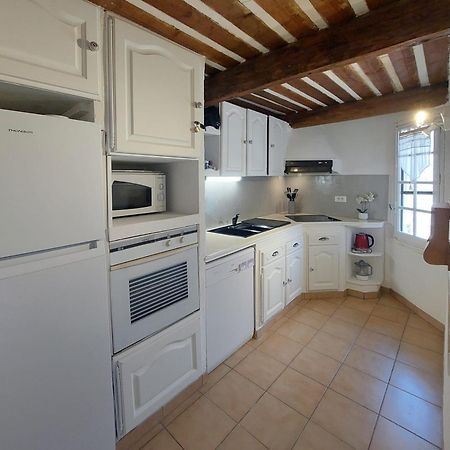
(45, 43)
(256, 144)
(273, 288)
(323, 267)
(233, 140)
(158, 95)
(154, 371)
(278, 140)
(294, 275)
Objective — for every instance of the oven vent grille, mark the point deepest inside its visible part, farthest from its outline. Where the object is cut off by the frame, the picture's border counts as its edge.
(155, 291)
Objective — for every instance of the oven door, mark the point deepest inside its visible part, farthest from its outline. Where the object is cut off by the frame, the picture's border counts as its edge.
(149, 294)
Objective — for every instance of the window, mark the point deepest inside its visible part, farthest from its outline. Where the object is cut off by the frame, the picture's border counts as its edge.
(417, 180)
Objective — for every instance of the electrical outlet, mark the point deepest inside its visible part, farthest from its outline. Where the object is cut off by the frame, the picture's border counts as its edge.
(340, 198)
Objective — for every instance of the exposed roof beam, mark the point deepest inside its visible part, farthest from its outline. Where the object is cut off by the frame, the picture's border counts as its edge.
(418, 98)
(401, 23)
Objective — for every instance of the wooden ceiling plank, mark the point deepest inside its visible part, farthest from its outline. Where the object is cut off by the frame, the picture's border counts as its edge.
(140, 17)
(384, 30)
(352, 79)
(295, 97)
(404, 63)
(278, 100)
(309, 90)
(334, 12)
(373, 68)
(416, 98)
(268, 104)
(330, 85)
(436, 57)
(192, 18)
(288, 14)
(250, 105)
(240, 16)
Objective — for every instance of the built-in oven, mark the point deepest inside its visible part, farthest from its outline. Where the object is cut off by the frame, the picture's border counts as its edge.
(154, 283)
(137, 192)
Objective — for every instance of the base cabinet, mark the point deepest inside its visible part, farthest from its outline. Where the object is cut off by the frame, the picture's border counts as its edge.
(274, 286)
(154, 371)
(294, 275)
(323, 268)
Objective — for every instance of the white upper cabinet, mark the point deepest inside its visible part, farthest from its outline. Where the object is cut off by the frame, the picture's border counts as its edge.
(53, 44)
(158, 95)
(256, 143)
(233, 140)
(278, 140)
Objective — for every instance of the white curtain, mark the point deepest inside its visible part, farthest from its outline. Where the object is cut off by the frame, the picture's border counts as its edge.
(414, 153)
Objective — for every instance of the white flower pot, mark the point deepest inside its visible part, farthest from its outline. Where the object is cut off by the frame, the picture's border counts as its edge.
(363, 216)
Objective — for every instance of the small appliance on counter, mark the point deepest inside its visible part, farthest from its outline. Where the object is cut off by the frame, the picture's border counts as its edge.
(363, 270)
(137, 192)
(363, 243)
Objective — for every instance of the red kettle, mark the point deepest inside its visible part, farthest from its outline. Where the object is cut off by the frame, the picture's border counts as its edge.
(363, 242)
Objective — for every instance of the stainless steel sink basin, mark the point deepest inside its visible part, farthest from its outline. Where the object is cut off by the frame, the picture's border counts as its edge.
(312, 218)
(250, 227)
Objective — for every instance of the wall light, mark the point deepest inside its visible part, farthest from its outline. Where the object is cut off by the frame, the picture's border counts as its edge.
(421, 118)
(225, 179)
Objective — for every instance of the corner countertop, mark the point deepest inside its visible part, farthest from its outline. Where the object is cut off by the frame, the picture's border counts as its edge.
(220, 245)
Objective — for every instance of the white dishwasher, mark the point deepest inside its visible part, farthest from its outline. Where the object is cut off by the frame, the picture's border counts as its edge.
(230, 305)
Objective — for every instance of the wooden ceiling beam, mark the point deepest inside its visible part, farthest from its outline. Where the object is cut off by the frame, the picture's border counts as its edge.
(418, 98)
(393, 26)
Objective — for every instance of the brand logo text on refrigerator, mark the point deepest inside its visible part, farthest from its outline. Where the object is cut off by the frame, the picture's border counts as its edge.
(14, 130)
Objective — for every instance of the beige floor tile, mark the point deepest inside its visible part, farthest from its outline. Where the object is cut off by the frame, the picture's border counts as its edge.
(315, 365)
(281, 348)
(322, 307)
(172, 415)
(273, 423)
(235, 394)
(414, 414)
(262, 335)
(364, 305)
(370, 362)
(420, 358)
(260, 368)
(386, 327)
(389, 436)
(388, 300)
(316, 438)
(345, 419)
(417, 322)
(360, 387)
(298, 391)
(240, 439)
(293, 311)
(275, 324)
(393, 314)
(162, 441)
(213, 377)
(354, 316)
(342, 329)
(424, 339)
(310, 317)
(297, 331)
(330, 345)
(203, 426)
(378, 343)
(418, 382)
(239, 355)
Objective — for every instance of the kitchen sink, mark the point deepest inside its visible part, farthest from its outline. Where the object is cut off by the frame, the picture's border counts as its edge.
(312, 218)
(250, 227)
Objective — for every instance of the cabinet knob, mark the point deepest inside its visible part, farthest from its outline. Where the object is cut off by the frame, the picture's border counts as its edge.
(311, 269)
(272, 145)
(296, 245)
(285, 283)
(168, 243)
(197, 127)
(198, 105)
(275, 254)
(92, 46)
(289, 280)
(181, 239)
(250, 141)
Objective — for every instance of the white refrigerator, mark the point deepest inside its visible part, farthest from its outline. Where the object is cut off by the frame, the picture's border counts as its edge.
(55, 343)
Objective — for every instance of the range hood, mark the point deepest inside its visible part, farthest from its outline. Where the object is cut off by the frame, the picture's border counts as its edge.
(309, 166)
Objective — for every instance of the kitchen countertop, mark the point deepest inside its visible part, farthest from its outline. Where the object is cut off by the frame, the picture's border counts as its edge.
(220, 245)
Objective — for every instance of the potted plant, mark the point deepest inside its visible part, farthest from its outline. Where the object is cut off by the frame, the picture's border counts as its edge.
(364, 200)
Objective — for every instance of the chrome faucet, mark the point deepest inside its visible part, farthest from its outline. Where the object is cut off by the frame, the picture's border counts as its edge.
(234, 220)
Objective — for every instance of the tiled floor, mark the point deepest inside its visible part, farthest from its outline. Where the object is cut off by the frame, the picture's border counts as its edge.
(331, 374)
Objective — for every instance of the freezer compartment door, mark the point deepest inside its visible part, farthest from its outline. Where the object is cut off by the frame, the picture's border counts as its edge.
(56, 389)
(51, 183)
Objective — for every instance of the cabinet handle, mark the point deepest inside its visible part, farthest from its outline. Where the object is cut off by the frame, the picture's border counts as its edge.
(324, 238)
(289, 280)
(275, 253)
(197, 127)
(296, 245)
(311, 269)
(250, 141)
(272, 145)
(198, 105)
(92, 46)
(244, 141)
(284, 283)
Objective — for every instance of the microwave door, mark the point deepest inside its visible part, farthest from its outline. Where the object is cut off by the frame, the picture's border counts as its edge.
(130, 198)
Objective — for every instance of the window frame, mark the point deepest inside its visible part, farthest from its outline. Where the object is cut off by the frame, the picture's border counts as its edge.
(438, 162)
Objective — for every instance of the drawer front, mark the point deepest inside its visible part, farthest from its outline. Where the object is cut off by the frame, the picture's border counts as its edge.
(325, 238)
(272, 254)
(293, 245)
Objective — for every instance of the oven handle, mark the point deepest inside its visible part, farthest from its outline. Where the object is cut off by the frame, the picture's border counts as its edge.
(146, 259)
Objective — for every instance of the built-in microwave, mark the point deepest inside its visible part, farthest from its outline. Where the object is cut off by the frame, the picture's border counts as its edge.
(137, 192)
